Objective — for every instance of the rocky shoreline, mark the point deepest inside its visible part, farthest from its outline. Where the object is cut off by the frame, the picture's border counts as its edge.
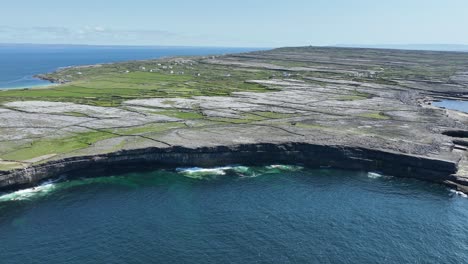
(309, 155)
(50, 79)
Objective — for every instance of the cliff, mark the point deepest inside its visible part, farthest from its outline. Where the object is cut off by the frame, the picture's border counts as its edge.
(390, 163)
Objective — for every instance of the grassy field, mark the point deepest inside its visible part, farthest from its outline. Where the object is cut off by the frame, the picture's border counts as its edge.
(375, 115)
(110, 85)
(55, 146)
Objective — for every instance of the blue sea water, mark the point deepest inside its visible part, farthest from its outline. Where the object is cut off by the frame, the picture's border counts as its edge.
(272, 214)
(458, 105)
(18, 63)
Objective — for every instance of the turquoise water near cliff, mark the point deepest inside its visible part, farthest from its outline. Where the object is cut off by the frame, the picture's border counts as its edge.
(18, 63)
(272, 214)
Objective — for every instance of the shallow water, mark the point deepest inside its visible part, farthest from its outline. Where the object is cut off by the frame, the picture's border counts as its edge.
(458, 105)
(18, 63)
(273, 214)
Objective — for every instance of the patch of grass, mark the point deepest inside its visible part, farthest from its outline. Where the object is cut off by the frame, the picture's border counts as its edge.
(272, 115)
(244, 119)
(356, 95)
(152, 128)
(181, 114)
(375, 115)
(253, 117)
(308, 125)
(169, 102)
(56, 146)
(230, 120)
(7, 165)
(250, 117)
(77, 114)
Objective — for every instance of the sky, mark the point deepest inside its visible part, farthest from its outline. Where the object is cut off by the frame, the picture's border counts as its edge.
(235, 23)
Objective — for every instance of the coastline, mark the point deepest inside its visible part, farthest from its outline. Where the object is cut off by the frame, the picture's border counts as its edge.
(39, 86)
(304, 154)
(47, 83)
(366, 124)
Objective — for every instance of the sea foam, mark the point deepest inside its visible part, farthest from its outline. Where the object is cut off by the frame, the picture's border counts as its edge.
(29, 193)
(244, 171)
(374, 175)
(458, 193)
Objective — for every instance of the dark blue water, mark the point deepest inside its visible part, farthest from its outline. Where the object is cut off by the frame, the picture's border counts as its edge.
(18, 63)
(235, 215)
(458, 105)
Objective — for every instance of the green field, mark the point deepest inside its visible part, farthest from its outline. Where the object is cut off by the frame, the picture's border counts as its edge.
(110, 85)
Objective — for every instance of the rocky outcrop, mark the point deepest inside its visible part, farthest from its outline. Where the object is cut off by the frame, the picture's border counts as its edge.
(50, 79)
(390, 163)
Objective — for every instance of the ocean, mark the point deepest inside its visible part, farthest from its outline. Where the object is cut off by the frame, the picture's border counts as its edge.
(19, 63)
(271, 214)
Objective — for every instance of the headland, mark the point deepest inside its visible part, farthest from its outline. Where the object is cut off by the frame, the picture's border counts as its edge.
(366, 109)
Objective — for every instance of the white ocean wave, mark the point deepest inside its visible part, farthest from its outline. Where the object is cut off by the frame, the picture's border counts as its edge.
(29, 193)
(195, 170)
(201, 173)
(374, 175)
(243, 171)
(284, 167)
(34, 192)
(458, 193)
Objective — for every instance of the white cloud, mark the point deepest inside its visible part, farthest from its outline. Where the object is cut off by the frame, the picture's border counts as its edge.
(89, 35)
(99, 29)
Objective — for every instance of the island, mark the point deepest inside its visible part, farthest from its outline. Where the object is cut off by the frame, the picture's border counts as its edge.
(363, 109)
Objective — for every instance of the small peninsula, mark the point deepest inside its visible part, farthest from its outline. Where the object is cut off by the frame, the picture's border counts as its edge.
(350, 108)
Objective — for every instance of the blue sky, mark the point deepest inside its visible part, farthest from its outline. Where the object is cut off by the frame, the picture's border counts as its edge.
(246, 23)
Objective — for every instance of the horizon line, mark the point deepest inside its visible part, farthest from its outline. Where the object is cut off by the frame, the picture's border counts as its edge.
(443, 47)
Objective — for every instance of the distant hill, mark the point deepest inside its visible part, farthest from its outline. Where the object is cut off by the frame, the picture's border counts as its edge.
(435, 47)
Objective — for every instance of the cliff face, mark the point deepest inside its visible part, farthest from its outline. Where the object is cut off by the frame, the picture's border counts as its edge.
(395, 164)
